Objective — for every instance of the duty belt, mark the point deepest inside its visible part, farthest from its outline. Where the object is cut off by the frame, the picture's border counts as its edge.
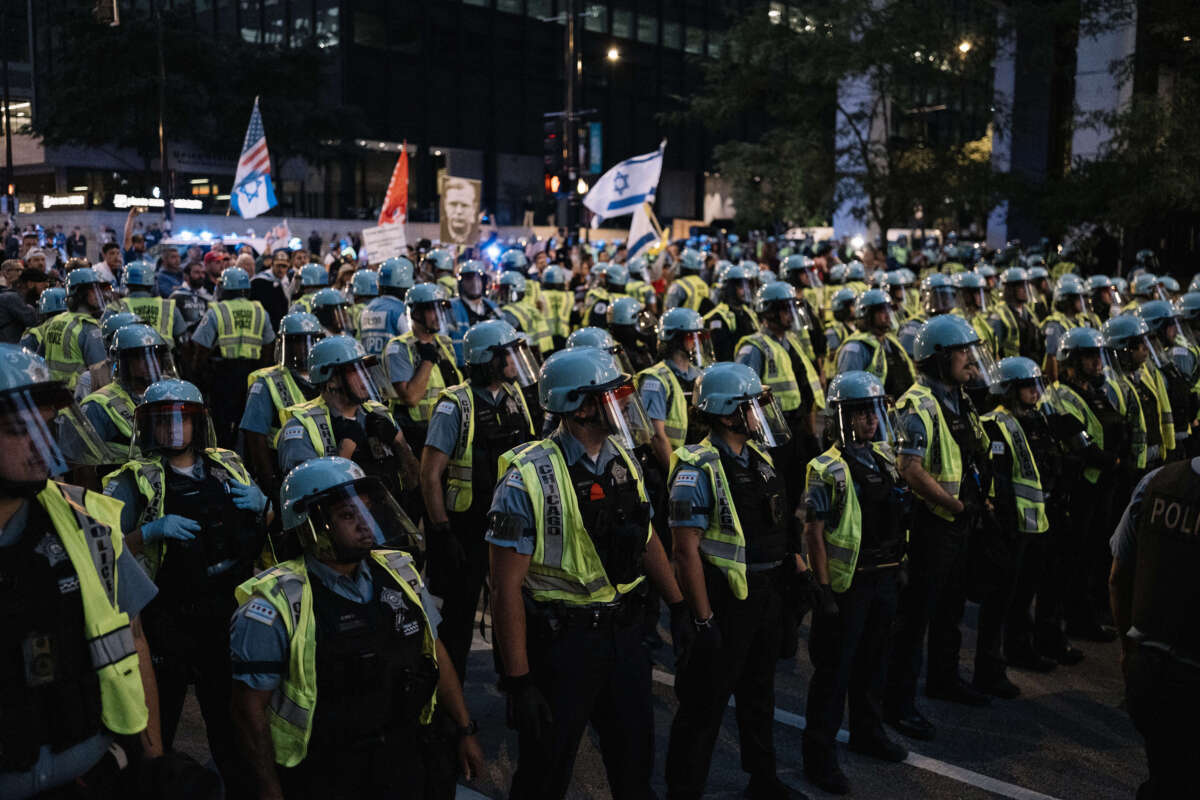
(592, 616)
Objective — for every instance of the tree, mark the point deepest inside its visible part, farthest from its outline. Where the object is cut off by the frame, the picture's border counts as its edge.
(102, 90)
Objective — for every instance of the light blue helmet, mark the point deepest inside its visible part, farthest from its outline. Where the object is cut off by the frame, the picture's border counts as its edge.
(777, 292)
(943, 333)
(1157, 314)
(1068, 286)
(854, 386)
(870, 300)
(235, 279)
(1037, 273)
(52, 301)
(625, 310)
(396, 273)
(312, 276)
(365, 283)
(112, 322)
(968, 280)
(139, 273)
(1169, 284)
(722, 388)
(328, 298)
(514, 261)
(1077, 340)
(570, 375)
(1189, 306)
(766, 276)
(1014, 371)
(837, 274)
(1014, 275)
(510, 288)
(472, 267)
(20, 368)
(330, 353)
(425, 293)
(440, 260)
(616, 276)
(136, 336)
(1194, 286)
(172, 390)
(482, 338)
(591, 337)
(1146, 285)
(842, 304)
(298, 323)
(986, 270)
(637, 268)
(1124, 330)
(81, 277)
(855, 271)
(691, 261)
(679, 320)
(554, 275)
(312, 478)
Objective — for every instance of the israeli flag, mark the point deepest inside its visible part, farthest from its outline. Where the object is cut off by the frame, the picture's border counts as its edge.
(627, 185)
(254, 196)
(641, 232)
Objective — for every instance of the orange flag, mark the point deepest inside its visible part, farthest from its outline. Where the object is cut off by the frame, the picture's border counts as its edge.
(395, 205)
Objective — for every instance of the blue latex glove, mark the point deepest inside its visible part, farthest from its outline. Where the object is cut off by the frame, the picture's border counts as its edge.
(248, 497)
(172, 526)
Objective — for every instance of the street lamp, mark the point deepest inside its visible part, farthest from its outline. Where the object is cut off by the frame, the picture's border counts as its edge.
(964, 47)
(614, 54)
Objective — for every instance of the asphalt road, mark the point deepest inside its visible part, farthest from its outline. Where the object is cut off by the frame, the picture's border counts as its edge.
(1065, 737)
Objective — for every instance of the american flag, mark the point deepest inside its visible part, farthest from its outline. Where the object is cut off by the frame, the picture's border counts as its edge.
(255, 160)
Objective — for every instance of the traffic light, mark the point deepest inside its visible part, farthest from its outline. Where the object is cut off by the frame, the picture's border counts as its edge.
(552, 146)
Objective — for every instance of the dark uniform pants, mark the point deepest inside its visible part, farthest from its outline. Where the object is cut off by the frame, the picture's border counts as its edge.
(933, 601)
(392, 769)
(744, 666)
(227, 398)
(1087, 555)
(849, 652)
(460, 591)
(599, 675)
(1163, 697)
(1000, 555)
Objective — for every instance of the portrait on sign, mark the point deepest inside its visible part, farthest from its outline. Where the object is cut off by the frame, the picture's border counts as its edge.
(460, 198)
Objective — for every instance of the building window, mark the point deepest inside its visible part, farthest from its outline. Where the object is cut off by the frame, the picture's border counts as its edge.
(250, 20)
(275, 32)
(622, 23)
(695, 40)
(302, 24)
(596, 19)
(714, 44)
(673, 35)
(537, 8)
(329, 29)
(509, 6)
(647, 28)
(476, 2)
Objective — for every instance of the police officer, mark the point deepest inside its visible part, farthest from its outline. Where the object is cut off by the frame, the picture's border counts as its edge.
(943, 457)
(160, 313)
(236, 331)
(873, 346)
(102, 374)
(332, 310)
(51, 303)
(639, 285)
(559, 304)
(336, 663)
(440, 266)
(471, 305)
(1039, 283)
(348, 417)
(1020, 489)
(364, 285)
(838, 327)
(938, 296)
(519, 311)
(313, 278)
(800, 271)
(140, 357)
(514, 261)
(777, 356)
(1138, 358)
(571, 545)
(78, 679)
(71, 341)
(1143, 288)
(1016, 329)
(1068, 312)
(733, 318)
(473, 424)
(386, 316)
(1176, 364)
(272, 391)
(420, 362)
(1154, 595)
(191, 297)
(633, 327)
(1103, 297)
(973, 306)
(593, 310)
(193, 517)
(856, 507)
(736, 552)
(689, 289)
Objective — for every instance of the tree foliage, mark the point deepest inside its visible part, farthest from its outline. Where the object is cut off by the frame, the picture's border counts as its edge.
(103, 89)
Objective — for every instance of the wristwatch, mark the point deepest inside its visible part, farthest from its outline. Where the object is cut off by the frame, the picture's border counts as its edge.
(470, 729)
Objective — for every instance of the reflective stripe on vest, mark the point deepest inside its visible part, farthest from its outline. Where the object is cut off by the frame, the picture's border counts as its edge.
(117, 403)
(676, 423)
(460, 470)
(560, 303)
(877, 362)
(778, 375)
(1152, 378)
(565, 565)
(1026, 480)
(62, 353)
(1064, 396)
(286, 586)
(423, 410)
(284, 392)
(942, 459)
(532, 324)
(157, 312)
(240, 324)
(89, 526)
(694, 291)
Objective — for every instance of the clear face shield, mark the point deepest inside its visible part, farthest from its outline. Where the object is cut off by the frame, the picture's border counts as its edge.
(738, 291)
(294, 349)
(1100, 300)
(1017, 291)
(644, 324)
(1033, 393)
(92, 297)
(790, 314)
(973, 299)
(365, 381)
(976, 370)
(333, 319)
(506, 293)
(764, 420)
(625, 415)
(432, 317)
(862, 422)
(1178, 332)
(472, 285)
(172, 426)
(519, 364)
(811, 276)
(349, 521)
(883, 318)
(618, 352)
(698, 346)
(939, 300)
(137, 368)
(43, 433)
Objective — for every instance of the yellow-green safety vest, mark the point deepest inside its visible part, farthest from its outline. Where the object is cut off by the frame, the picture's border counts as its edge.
(286, 586)
(595, 295)
(1062, 396)
(843, 541)
(695, 290)
(560, 304)
(642, 291)
(460, 471)
(1010, 343)
(313, 416)
(117, 403)
(565, 566)
(942, 459)
(284, 392)
(878, 365)
(841, 332)
(728, 316)
(1152, 378)
(61, 339)
(724, 543)
(305, 301)
(89, 526)
(148, 475)
(778, 375)
(532, 324)
(1130, 406)
(241, 325)
(983, 329)
(1026, 479)
(157, 312)
(423, 410)
(676, 423)
(449, 283)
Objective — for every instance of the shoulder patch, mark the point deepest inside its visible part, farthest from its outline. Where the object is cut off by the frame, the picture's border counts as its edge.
(445, 407)
(745, 350)
(997, 448)
(716, 324)
(293, 432)
(687, 477)
(256, 387)
(261, 611)
(514, 480)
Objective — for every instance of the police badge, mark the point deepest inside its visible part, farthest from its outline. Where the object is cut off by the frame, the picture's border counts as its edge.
(620, 473)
